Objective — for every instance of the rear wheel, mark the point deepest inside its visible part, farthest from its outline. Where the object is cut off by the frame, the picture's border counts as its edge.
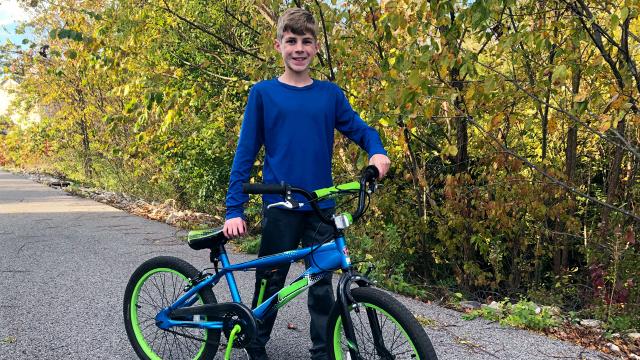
(384, 329)
(157, 283)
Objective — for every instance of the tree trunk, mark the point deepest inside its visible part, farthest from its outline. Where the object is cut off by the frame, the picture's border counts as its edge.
(86, 151)
(462, 133)
(613, 180)
(461, 167)
(545, 113)
(571, 159)
(412, 165)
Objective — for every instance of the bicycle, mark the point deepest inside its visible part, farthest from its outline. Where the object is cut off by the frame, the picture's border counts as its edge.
(170, 309)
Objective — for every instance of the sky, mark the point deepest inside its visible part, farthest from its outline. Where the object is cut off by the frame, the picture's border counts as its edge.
(10, 15)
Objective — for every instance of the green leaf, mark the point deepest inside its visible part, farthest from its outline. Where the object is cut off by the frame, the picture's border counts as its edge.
(415, 79)
(71, 54)
(131, 106)
(624, 13)
(560, 74)
(64, 34)
(77, 36)
(614, 20)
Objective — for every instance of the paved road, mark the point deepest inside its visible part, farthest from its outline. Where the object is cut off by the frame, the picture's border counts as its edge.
(65, 262)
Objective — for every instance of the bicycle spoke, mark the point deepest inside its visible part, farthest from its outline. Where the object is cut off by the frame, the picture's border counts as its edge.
(180, 346)
(155, 337)
(394, 342)
(175, 291)
(151, 300)
(154, 282)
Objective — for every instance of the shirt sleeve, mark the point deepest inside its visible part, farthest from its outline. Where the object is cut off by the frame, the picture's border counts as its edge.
(249, 143)
(349, 123)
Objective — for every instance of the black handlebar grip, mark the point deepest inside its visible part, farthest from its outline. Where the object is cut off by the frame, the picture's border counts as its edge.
(263, 188)
(370, 173)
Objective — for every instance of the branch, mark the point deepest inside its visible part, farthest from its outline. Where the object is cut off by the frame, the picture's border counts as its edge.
(624, 37)
(375, 30)
(546, 175)
(203, 70)
(267, 14)
(208, 32)
(240, 21)
(332, 75)
(574, 118)
(596, 36)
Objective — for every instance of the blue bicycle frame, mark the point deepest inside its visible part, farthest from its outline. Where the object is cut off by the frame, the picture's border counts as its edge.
(323, 259)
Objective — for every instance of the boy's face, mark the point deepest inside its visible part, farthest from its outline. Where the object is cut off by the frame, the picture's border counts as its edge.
(297, 51)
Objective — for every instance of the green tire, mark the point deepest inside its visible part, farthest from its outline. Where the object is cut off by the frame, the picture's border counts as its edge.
(154, 285)
(402, 334)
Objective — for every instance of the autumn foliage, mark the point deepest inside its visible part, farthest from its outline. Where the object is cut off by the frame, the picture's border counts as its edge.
(513, 126)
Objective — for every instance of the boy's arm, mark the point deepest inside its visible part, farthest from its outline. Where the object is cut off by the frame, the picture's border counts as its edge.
(250, 141)
(352, 126)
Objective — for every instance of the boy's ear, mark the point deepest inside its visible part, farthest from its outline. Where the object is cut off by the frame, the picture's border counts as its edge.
(276, 45)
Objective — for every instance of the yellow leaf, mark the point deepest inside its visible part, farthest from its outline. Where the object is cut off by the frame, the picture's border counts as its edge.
(428, 111)
(604, 126)
(552, 125)
(580, 97)
(171, 114)
(497, 119)
(471, 91)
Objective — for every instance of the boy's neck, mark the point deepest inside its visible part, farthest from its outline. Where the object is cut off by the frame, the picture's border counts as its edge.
(295, 79)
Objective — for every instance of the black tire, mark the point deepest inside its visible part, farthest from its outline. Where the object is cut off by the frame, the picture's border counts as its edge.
(156, 284)
(402, 335)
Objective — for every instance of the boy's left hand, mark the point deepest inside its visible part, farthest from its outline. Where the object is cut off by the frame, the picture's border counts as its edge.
(382, 162)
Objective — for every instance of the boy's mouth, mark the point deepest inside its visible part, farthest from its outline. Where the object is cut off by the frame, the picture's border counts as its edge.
(299, 58)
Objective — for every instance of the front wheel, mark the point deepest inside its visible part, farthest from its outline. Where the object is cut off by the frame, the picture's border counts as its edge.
(384, 329)
(156, 284)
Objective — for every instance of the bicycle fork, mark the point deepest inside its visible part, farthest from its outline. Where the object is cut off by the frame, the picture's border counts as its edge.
(344, 298)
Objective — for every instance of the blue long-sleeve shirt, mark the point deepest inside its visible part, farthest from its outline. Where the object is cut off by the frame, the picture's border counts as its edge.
(296, 127)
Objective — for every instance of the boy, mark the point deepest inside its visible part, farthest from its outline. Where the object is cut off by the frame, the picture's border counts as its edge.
(294, 117)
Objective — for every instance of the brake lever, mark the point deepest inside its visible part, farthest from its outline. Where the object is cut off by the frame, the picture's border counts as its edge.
(373, 186)
(287, 204)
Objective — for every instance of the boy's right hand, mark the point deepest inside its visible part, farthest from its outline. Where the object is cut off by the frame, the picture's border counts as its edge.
(234, 228)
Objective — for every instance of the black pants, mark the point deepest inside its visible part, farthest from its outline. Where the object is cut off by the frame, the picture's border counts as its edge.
(282, 230)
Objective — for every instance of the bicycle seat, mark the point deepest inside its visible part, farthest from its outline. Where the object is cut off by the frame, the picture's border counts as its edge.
(206, 239)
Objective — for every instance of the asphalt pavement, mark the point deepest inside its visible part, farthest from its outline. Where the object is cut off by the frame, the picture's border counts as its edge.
(65, 262)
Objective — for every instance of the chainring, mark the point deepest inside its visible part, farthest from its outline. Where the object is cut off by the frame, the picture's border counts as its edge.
(240, 315)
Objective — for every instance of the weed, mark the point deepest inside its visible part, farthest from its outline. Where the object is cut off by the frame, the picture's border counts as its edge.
(249, 244)
(523, 314)
(9, 340)
(425, 321)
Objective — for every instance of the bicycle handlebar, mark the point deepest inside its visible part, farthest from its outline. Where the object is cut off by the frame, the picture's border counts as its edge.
(264, 188)
(369, 175)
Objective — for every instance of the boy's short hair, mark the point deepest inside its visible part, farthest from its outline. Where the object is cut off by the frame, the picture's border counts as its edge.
(297, 21)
